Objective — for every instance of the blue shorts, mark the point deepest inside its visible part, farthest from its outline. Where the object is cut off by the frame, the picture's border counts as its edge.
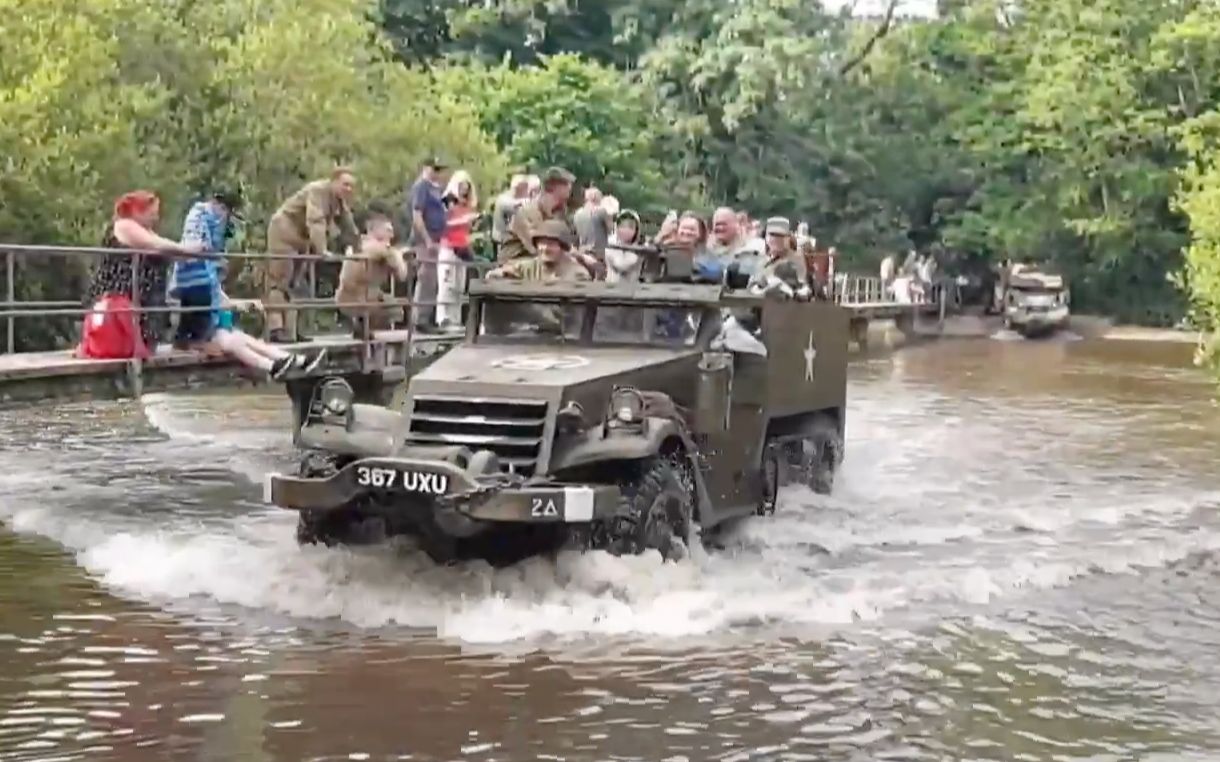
(197, 325)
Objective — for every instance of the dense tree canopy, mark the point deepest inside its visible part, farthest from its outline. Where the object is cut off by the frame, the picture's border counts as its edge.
(1078, 132)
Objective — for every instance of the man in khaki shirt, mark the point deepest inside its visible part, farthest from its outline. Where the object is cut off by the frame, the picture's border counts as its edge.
(304, 224)
(551, 204)
(360, 280)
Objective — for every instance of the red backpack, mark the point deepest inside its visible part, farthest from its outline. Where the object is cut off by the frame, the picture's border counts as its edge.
(111, 331)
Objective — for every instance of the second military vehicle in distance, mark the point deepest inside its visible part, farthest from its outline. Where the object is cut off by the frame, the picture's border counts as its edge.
(1034, 303)
(588, 415)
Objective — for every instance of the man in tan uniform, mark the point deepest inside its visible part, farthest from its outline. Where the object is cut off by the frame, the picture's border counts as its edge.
(304, 224)
(551, 204)
(360, 280)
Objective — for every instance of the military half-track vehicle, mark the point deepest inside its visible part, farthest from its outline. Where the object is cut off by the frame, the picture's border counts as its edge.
(588, 415)
(1034, 303)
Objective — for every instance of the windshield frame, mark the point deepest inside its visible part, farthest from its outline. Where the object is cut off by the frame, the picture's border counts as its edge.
(475, 333)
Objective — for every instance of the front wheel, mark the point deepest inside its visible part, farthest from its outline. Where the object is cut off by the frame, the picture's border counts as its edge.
(659, 513)
(345, 526)
(340, 527)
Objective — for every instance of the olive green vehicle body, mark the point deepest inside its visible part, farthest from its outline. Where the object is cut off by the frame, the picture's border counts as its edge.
(542, 405)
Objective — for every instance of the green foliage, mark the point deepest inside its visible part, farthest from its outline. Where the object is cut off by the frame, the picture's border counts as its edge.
(98, 97)
(1186, 52)
(573, 113)
(526, 32)
(281, 119)
(70, 120)
(103, 96)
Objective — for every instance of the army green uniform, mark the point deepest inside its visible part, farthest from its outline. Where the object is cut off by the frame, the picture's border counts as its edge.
(530, 217)
(304, 224)
(360, 280)
(772, 262)
(535, 268)
(769, 268)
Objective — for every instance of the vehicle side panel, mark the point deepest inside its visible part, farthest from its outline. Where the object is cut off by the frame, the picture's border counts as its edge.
(806, 356)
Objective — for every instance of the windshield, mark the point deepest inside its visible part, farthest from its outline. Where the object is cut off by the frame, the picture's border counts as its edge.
(1033, 291)
(651, 326)
(643, 326)
(525, 321)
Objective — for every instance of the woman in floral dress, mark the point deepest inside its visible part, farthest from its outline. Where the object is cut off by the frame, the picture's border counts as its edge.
(135, 216)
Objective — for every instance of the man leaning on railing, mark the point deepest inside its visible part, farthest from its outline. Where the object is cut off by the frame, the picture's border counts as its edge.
(361, 277)
(303, 225)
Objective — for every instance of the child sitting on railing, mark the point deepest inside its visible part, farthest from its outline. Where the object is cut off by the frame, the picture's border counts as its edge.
(207, 322)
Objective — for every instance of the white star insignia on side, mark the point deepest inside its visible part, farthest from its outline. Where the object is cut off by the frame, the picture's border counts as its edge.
(810, 355)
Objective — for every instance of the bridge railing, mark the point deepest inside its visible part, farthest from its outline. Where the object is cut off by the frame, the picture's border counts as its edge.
(864, 290)
(12, 309)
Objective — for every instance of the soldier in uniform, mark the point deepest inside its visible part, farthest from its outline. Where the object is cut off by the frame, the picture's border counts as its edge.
(552, 239)
(360, 280)
(784, 268)
(304, 224)
(551, 204)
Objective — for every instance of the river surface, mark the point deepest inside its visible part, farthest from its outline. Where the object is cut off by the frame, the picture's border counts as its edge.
(1019, 563)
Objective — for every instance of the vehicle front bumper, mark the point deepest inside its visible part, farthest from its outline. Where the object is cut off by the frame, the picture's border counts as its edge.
(442, 483)
(1035, 318)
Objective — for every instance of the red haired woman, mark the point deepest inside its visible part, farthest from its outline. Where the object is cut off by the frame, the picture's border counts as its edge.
(135, 216)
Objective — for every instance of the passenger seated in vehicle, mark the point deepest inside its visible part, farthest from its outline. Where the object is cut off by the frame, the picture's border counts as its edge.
(784, 271)
(623, 264)
(554, 262)
(360, 280)
(683, 254)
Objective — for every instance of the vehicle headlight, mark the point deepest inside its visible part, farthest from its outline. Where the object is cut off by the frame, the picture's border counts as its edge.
(570, 419)
(335, 397)
(627, 405)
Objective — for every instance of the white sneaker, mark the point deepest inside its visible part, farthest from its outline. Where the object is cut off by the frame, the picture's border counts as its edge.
(310, 364)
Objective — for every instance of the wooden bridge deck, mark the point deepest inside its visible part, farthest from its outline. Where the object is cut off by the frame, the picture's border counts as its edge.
(65, 363)
(31, 376)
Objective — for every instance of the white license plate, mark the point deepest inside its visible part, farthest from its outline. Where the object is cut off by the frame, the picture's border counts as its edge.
(402, 480)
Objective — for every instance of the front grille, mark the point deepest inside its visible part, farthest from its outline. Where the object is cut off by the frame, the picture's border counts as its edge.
(512, 429)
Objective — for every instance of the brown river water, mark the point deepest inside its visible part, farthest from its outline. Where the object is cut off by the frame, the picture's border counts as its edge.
(1019, 563)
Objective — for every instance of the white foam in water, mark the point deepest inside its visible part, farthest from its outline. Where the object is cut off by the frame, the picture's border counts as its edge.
(236, 431)
(879, 545)
(258, 565)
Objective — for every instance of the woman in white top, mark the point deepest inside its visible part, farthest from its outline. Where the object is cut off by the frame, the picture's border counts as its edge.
(624, 264)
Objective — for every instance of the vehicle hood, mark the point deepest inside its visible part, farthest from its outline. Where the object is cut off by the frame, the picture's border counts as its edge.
(539, 366)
